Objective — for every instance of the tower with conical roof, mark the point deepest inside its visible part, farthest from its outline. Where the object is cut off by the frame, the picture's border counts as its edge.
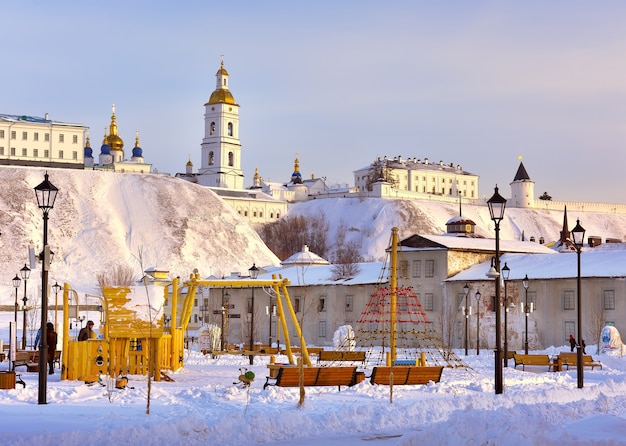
(221, 149)
(522, 189)
(115, 142)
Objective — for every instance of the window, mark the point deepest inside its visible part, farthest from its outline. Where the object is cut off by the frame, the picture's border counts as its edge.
(12, 151)
(61, 154)
(296, 305)
(417, 268)
(75, 155)
(609, 299)
(46, 137)
(36, 136)
(568, 300)
(1, 150)
(1, 134)
(231, 158)
(212, 129)
(13, 134)
(61, 137)
(230, 129)
(321, 329)
(24, 136)
(428, 304)
(321, 304)
(404, 268)
(402, 304)
(35, 153)
(429, 268)
(74, 139)
(46, 153)
(195, 302)
(211, 158)
(349, 303)
(569, 327)
(24, 152)
(532, 299)
(460, 300)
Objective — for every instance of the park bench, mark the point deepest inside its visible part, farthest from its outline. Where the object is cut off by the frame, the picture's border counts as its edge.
(571, 359)
(28, 358)
(534, 360)
(298, 350)
(289, 376)
(406, 375)
(341, 356)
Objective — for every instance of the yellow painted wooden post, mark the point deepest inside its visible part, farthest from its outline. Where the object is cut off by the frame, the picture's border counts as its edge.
(66, 331)
(283, 322)
(303, 348)
(393, 285)
(176, 348)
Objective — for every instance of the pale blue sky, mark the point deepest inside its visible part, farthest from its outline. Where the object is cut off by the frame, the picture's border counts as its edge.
(340, 83)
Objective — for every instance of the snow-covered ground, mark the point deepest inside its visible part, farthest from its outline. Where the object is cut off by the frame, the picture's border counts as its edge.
(204, 406)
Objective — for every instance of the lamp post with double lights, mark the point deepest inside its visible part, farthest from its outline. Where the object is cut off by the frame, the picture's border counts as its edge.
(466, 313)
(505, 276)
(497, 204)
(25, 272)
(477, 323)
(578, 234)
(46, 194)
(254, 273)
(527, 311)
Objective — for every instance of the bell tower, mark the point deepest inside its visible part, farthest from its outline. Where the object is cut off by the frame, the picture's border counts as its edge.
(221, 149)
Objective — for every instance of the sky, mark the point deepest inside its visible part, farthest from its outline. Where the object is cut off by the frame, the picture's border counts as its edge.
(340, 83)
(205, 404)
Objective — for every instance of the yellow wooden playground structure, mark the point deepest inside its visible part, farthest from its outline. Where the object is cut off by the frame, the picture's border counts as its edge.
(135, 341)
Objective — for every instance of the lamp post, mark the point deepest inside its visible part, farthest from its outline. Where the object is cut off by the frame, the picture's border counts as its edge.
(466, 314)
(25, 272)
(578, 234)
(505, 276)
(16, 284)
(254, 273)
(497, 204)
(225, 308)
(477, 323)
(56, 287)
(46, 194)
(526, 312)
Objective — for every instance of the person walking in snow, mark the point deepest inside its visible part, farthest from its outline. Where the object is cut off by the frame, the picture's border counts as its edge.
(582, 343)
(51, 337)
(572, 342)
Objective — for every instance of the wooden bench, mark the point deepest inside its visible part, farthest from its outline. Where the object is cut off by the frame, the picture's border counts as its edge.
(534, 360)
(289, 376)
(341, 356)
(297, 350)
(406, 375)
(28, 358)
(571, 359)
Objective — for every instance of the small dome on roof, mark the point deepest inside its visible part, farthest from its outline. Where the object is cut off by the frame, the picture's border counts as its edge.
(105, 149)
(221, 96)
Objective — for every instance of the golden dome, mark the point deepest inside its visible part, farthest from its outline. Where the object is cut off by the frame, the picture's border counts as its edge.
(114, 141)
(221, 96)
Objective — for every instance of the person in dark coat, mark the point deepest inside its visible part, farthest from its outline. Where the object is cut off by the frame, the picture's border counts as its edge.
(572, 342)
(51, 337)
(86, 332)
(584, 346)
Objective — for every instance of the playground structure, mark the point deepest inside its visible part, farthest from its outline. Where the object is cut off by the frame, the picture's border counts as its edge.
(134, 339)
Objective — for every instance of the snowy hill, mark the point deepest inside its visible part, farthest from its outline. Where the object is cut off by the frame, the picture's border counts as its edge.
(104, 219)
(369, 221)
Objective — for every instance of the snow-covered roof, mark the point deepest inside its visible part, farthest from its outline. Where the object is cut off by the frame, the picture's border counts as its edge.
(369, 273)
(304, 258)
(454, 241)
(594, 262)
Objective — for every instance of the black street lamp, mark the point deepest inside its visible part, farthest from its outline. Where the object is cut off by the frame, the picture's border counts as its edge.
(578, 234)
(497, 204)
(477, 323)
(254, 273)
(225, 308)
(16, 284)
(506, 271)
(46, 194)
(527, 311)
(56, 287)
(25, 272)
(466, 314)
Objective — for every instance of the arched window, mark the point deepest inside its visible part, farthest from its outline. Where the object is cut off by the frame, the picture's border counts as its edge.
(212, 130)
(211, 158)
(230, 129)
(231, 159)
